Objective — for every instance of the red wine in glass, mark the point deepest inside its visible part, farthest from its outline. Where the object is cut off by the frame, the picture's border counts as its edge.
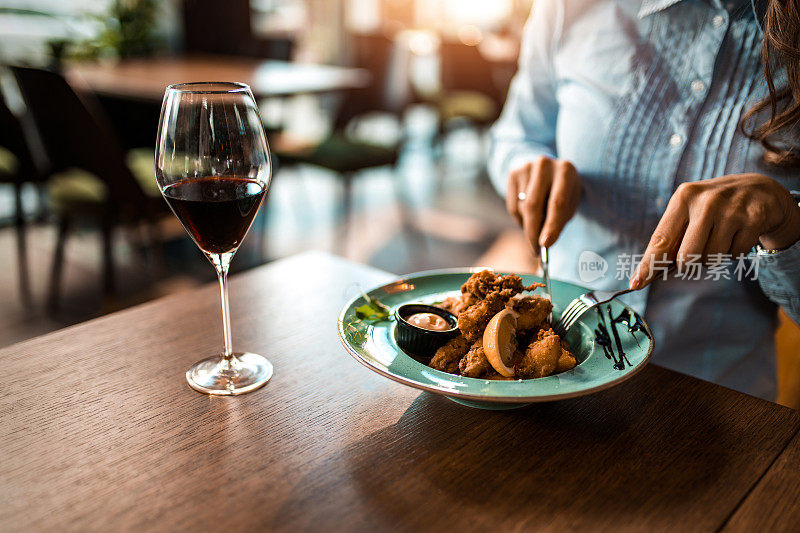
(216, 211)
(213, 168)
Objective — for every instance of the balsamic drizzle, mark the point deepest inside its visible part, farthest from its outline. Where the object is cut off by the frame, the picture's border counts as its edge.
(634, 323)
(614, 321)
(603, 338)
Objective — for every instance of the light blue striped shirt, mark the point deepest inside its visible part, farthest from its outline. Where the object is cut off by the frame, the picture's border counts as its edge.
(641, 96)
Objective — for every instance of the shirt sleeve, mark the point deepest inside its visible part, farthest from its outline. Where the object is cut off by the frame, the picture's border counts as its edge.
(526, 128)
(779, 278)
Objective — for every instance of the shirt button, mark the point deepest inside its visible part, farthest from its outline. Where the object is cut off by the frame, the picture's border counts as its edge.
(718, 21)
(660, 202)
(698, 86)
(675, 140)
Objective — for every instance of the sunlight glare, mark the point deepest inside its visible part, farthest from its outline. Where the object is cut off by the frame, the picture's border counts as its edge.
(470, 35)
(477, 12)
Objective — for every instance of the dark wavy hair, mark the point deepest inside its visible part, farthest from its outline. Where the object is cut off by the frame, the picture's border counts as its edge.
(780, 49)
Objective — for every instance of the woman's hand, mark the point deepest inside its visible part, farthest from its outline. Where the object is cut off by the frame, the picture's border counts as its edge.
(726, 215)
(551, 191)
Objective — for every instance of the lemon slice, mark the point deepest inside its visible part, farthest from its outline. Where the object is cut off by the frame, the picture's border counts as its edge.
(498, 341)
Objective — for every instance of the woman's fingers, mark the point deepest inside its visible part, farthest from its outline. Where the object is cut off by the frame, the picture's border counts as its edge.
(695, 238)
(720, 240)
(563, 200)
(743, 241)
(723, 216)
(533, 206)
(515, 184)
(542, 196)
(664, 243)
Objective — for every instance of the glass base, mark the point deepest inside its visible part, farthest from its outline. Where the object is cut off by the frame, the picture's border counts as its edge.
(245, 372)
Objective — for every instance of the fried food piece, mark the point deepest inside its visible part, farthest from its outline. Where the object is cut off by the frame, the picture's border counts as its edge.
(567, 361)
(456, 304)
(475, 364)
(545, 356)
(497, 376)
(452, 304)
(447, 357)
(472, 321)
(483, 283)
(484, 295)
(531, 310)
(480, 283)
(518, 355)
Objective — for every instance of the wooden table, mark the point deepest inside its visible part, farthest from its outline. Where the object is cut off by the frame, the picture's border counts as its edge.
(101, 432)
(146, 78)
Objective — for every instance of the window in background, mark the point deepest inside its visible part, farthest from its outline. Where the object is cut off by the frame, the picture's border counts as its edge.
(40, 32)
(363, 16)
(29, 28)
(464, 18)
(271, 17)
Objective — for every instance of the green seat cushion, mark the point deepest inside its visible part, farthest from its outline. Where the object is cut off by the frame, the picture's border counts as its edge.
(341, 154)
(467, 104)
(77, 191)
(141, 161)
(8, 163)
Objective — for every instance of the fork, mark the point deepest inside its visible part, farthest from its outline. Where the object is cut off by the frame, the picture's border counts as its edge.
(580, 305)
(589, 300)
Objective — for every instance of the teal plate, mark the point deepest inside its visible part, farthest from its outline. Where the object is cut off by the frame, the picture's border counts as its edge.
(611, 343)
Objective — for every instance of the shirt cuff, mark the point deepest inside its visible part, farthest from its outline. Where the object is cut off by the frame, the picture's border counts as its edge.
(779, 277)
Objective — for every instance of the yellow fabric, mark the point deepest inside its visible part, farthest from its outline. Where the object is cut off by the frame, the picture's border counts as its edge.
(141, 161)
(468, 104)
(78, 190)
(8, 162)
(787, 346)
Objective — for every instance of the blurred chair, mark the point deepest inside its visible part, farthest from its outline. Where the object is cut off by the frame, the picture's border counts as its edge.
(17, 167)
(90, 179)
(340, 151)
(469, 88)
(787, 346)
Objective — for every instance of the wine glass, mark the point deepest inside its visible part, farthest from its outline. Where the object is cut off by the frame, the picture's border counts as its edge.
(213, 169)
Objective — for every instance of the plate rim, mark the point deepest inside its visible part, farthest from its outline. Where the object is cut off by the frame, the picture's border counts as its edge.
(476, 397)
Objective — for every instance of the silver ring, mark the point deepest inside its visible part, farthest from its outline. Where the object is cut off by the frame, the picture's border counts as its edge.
(522, 197)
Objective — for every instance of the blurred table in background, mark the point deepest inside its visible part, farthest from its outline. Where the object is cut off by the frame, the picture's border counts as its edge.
(146, 78)
(130, 91)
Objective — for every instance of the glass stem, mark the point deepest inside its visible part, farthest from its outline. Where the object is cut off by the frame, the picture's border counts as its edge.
(222, 265)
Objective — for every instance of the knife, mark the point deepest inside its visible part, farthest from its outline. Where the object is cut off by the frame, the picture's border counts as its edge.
(543, 255)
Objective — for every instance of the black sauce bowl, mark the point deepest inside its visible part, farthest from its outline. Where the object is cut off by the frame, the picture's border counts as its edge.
(418, 342)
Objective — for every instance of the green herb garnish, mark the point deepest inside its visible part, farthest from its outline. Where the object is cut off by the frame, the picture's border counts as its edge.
(355, 332)
(356, 327)
(373, 310)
